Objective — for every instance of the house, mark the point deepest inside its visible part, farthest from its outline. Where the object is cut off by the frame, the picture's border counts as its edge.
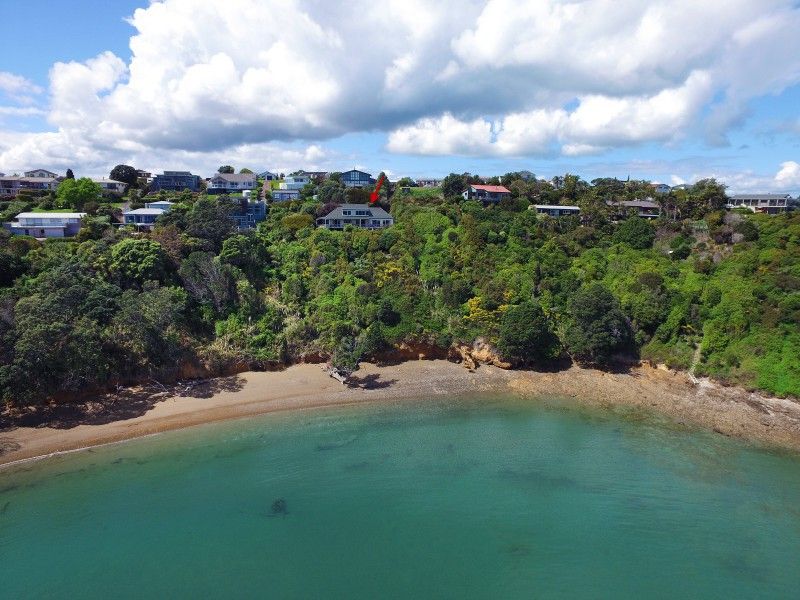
(268, 176)
(429, 182)
(661, 188)
(486, 193)
(555, 210)
(682, 186)
(226, 183)
(43, 173)
(46, 225)
(251, 213)
(314, 175)
(111, 185)
(770, 204)
(295, 182)
(357, 179)
(646, 209)
(364, 216)
(175, 181)
(13, 185)
(285, 195)
(145, 218)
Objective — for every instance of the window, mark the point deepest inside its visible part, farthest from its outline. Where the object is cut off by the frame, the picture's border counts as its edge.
(347, 212)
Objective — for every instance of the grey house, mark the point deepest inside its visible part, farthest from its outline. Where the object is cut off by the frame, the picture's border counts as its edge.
(357, 179)
(364, 216)
(646, 209)
(555, 210)
(175, 181)
(250, 214)
(226, 183)
(770, 204)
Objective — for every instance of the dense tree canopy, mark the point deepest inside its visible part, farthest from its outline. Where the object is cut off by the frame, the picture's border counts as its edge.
(116, 305)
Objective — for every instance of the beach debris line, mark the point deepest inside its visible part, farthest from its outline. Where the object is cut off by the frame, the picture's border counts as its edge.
(278, 508)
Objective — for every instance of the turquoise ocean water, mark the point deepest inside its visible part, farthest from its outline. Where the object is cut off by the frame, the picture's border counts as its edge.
(477, 499)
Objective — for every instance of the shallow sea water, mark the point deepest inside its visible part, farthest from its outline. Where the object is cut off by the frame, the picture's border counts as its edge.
(490, 498)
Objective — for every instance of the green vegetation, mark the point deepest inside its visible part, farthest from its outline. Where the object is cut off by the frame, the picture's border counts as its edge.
(195, 295)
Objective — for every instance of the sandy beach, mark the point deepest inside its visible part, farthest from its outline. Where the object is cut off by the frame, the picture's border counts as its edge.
(143, 411)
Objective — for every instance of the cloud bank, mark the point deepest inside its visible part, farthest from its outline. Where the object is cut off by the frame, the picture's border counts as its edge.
(507, 78)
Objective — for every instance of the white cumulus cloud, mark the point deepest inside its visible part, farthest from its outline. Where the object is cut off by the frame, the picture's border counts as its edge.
(476, 77)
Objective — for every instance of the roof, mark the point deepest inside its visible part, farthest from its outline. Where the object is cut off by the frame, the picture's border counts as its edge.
(104, 180)
(498, 189)
(145, 211)
(238, 177)
(43, 170)
(356, 171)
(30, 179)
(636, 204)
(760, 197)
(554, 206)
(50, 215)
(174, 173)
(376, 212)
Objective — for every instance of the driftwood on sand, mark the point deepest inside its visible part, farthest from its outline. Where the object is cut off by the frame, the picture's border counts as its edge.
(340, 375)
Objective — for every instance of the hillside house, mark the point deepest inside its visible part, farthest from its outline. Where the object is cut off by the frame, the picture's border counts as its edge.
(175, 181)
(227, 183)
(555, 210)
(145, 218)
(661, 188)
(111, 185)
(285, 195)
(357, 179)
(364, 216)
(46, 225)
(429, 182)
(41, 173)
(268, 176)
(488, 194)
(771, 204)
(646, 209)
(13, 185)
(250, 214)
(295, 182)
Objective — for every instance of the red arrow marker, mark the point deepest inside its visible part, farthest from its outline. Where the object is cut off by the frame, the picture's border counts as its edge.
(373, 197)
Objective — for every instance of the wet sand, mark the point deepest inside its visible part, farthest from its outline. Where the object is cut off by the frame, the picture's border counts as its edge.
(138, 412)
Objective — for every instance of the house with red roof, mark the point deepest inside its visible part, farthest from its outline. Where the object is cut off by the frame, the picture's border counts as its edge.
(488, 194)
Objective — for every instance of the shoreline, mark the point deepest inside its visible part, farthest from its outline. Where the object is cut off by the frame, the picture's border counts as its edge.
(139, 412)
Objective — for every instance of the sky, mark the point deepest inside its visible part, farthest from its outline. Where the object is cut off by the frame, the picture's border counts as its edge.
(665, 90)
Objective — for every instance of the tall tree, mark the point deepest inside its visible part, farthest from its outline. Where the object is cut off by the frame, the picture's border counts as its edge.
(226, 169)
(70, 174)
(125, 174)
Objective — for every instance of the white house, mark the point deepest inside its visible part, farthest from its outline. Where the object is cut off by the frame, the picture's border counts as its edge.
(46, 225)
(111, 185)
(295, 182)
(268, 176)
(661, 188)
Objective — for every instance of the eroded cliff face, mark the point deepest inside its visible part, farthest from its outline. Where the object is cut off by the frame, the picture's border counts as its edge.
(478, 353)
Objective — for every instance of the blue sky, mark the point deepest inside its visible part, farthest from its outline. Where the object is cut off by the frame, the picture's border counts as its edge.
(411, 87)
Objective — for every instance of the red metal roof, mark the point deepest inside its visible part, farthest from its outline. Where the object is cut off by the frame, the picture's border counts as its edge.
(491, 188)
